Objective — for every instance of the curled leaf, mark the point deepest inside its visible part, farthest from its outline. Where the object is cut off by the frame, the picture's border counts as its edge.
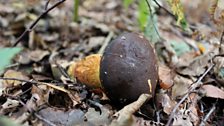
(214, 92)
(125, 115)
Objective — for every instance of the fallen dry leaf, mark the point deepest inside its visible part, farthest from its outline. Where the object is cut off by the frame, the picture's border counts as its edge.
(166, 76)
(98, 118)
(196, 67)
(95, 42)
(22, 57)
(219, 11)
(180, 86)
(181, 120)
(167, 104)
(193, 108)
(124, 117)
(72, 95)
(57, 37)
(63, 118)
(13, 74)
(2, 88)
(212, 91)
(38, 55)
(218, 69)
(40, 93)
(10, 104)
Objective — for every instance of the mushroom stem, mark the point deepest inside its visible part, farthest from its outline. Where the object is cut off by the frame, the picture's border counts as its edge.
(86, 71)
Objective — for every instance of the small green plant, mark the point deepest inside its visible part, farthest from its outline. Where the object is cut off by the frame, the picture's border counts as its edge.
(76, 10)
(144, 13)
(126, 3)
(146, 19)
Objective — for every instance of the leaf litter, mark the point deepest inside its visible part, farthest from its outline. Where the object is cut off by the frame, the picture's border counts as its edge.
(37, 90)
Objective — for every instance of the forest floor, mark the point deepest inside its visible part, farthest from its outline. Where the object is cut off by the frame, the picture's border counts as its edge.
(36, 88)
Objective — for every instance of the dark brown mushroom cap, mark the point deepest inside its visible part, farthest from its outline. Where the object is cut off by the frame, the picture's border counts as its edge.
(127, 64)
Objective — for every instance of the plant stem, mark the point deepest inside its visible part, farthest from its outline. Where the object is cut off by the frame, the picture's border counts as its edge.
(76, 6)
(37, 20)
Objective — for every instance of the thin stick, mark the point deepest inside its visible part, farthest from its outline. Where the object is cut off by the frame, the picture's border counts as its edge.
(36, 115)
(46, 5)
(32, 81)
(207, 116)
(95, 103)
(151, 17)
(165, 9)
(107, 40)
(16, 79)
(36, 21)
(193, 87)
(221, 42)
(44, 120)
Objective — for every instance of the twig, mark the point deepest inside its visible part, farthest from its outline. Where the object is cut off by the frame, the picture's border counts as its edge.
(165, 9)
(95, 103)
(36, 21)
(32, 81)
(47, 3)
(124, 117)
(36, 115)
(151, 17)
(207, 116)
(44, 120)
(16, 79)
(157, 116)
(192, 88)
(221, 42)
(52, 85)
(12, 65)
(21, 102)
(107, 40)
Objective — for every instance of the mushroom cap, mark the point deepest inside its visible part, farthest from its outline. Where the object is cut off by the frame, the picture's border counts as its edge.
(128, 68)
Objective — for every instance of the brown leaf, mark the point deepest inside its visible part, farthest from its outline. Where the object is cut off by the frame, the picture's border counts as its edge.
(167, 104)
(22, 57)
(13, 74)
(181, 120)
(181, 86)
(38, 55)
(125, 117)
(74, 97)
(8, 106)
(219, 11)
(195, 67)
(218, 68)
(94, 42)
(98, 118)
(166, 76)
(40, 93)
(63, 118)
(193, 108)
(214, 92)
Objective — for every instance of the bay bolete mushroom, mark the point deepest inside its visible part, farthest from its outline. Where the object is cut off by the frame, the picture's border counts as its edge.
(127, 69)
